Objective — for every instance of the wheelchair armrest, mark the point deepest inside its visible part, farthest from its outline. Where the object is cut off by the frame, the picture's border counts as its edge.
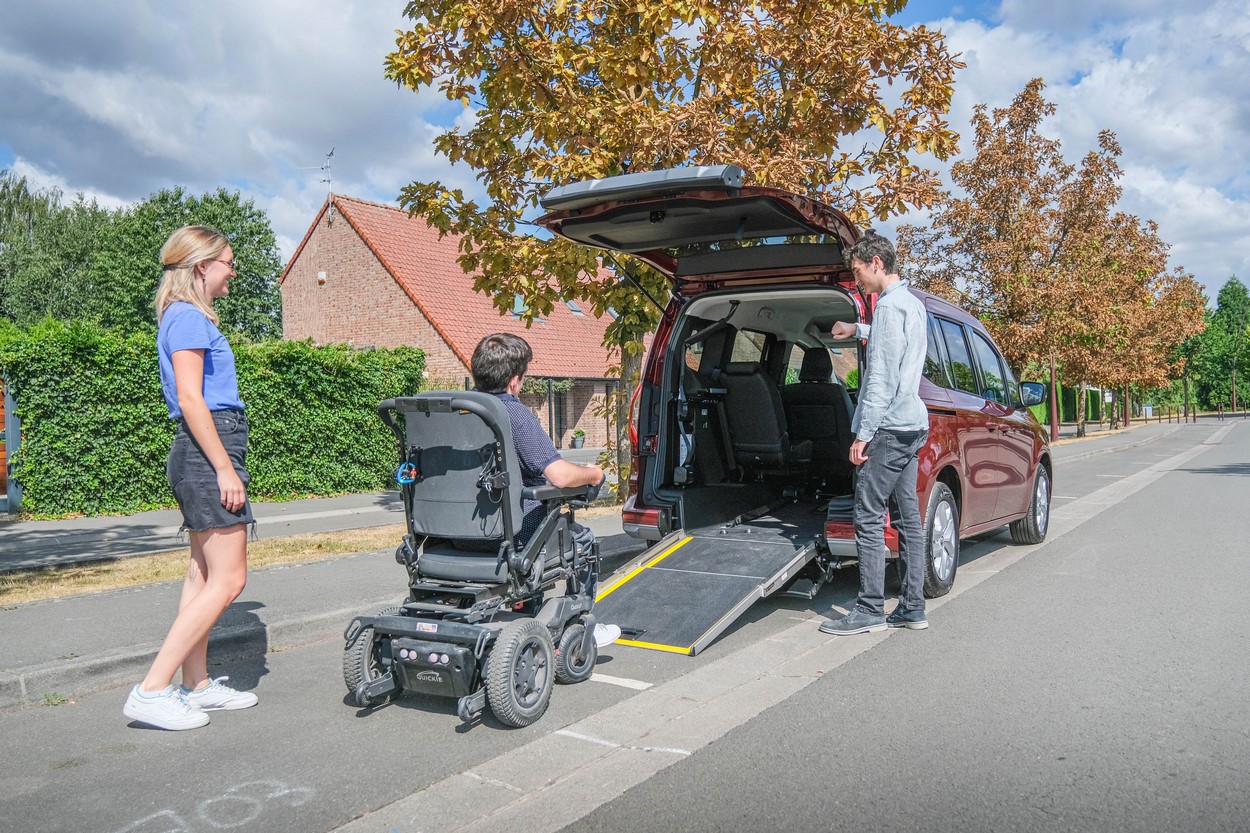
(554, 493)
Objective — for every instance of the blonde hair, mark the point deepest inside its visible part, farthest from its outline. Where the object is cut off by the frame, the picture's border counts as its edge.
(186, 249)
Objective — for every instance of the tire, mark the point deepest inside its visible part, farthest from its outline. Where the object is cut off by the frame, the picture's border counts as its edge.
(1032, 528)
(941, 542)
(573, 665)
(519, 673)
(362, 661)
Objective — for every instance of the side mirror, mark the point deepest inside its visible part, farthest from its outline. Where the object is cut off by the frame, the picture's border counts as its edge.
(1032, 393)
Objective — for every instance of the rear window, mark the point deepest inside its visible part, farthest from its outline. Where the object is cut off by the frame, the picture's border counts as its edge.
(963, 377)
(934, 364)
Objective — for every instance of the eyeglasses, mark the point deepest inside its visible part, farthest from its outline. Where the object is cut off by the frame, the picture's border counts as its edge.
(229, 262)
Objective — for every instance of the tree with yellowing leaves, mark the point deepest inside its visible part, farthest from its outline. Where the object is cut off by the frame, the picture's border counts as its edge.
(563, 90)
(1034, 247)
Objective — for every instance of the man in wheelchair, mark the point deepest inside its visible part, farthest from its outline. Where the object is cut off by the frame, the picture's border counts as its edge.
(499, 365)
(501, 579)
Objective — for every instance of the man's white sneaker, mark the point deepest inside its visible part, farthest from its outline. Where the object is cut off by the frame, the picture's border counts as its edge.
(167, 709)
(605, 635)
(217, 696)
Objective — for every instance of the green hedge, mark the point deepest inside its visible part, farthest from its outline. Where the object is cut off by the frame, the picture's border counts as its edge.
(95, 430)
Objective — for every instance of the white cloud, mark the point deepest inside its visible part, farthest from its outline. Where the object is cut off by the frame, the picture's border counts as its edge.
(119, 100)
(122, 100)
(1169, 80)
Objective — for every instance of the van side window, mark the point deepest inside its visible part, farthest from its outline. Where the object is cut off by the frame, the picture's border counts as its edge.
(962, 374)
(991, 369)
(934, 365)
(748, 347)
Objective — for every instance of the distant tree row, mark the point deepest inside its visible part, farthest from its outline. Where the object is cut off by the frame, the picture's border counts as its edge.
(1038, 249)
(76, 261)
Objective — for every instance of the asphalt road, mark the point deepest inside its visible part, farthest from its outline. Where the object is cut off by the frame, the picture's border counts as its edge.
(1096, 682)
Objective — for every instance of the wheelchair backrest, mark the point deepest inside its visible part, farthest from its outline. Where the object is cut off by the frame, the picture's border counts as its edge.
(466, 479)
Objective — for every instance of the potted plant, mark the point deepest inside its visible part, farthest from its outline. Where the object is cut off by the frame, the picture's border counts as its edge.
(579, 437)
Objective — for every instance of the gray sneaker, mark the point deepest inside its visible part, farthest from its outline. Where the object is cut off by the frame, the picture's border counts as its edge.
(217, 696)
(857, 621)
(913, 620)
(167, 709)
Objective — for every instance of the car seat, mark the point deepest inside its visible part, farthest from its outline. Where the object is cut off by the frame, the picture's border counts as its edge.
(819, 410)
(479, 623)
(757, 421)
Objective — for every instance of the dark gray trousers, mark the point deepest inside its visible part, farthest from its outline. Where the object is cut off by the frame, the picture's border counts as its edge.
(889, 472)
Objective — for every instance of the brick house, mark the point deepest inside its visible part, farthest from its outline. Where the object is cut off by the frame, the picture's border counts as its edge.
(369, 275)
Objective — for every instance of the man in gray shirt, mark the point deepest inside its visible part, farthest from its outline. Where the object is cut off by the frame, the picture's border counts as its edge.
(890, 425)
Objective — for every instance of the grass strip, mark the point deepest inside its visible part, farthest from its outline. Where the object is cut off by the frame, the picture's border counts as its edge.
(75, 579)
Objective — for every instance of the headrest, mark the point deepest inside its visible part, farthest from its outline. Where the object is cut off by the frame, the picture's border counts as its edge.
(744, 368)
(817, 366)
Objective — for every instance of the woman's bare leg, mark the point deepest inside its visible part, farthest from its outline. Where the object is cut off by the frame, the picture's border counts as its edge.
(207, 591)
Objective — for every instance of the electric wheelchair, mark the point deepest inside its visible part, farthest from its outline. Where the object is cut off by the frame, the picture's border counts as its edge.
(481, 622)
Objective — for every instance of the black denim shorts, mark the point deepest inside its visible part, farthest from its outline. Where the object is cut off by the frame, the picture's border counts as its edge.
(194, 480)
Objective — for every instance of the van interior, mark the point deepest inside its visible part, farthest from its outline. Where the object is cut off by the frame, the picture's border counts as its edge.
(761, 403)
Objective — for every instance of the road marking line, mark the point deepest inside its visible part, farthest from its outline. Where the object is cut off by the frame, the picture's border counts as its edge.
(623, 682)
(579, 736)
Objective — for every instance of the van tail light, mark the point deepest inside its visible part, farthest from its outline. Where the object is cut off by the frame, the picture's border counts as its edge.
(633, 419)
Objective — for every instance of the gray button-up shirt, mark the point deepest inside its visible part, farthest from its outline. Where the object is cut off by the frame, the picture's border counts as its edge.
(889, 396)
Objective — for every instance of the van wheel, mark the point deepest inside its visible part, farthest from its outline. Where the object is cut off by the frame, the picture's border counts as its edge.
(519, 673)
(362, 659)
(1031, 529)
(573, 665)
(941, 542)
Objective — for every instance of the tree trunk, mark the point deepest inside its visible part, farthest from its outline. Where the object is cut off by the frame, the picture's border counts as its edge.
(1054, 401)
(1128, 413)
(1185, 381)
(1081, 398)
(631, 367)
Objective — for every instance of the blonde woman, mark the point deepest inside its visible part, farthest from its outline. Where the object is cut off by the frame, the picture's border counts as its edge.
(207, 474)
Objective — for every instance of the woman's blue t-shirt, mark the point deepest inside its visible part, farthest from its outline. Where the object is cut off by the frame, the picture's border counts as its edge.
(185, 327)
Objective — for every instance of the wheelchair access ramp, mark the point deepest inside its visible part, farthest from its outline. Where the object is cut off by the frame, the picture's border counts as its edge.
(686, 590)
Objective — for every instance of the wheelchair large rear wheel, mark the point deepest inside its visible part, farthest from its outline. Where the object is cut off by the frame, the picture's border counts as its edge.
(519, 673)
(573, 665)
(362, 659)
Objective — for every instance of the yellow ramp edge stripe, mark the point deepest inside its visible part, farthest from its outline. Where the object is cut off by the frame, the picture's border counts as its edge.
(654, 646)
(621, 581)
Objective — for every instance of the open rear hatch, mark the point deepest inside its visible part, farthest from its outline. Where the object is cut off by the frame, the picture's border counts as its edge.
(702, 224)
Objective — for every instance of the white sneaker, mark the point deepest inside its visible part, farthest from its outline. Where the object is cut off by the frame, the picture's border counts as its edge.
(605, 635)
(167, 709)
(218, 697)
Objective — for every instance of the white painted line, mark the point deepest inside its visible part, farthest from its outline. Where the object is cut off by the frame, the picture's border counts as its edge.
(664, 749)
(1113, 476)
(579, 736)
(623, 682)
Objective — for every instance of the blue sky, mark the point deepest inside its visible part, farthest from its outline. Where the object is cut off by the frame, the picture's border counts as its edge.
(119, 99)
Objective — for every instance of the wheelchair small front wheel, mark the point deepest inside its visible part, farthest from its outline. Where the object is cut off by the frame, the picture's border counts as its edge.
(362, 658)
(519, 673)
(573, 664)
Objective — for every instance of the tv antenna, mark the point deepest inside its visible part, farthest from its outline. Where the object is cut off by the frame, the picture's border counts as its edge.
(324, 167)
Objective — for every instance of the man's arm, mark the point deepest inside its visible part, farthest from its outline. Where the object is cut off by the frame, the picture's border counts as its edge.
(885, 352)
(562, 474)
(845, 329)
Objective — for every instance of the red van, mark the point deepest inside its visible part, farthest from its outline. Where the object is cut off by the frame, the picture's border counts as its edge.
(743, 414)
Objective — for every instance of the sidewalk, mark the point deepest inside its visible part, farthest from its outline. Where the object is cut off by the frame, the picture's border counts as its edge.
(84, 643)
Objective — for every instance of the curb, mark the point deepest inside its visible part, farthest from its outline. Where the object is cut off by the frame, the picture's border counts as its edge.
(82, 675)
(1093, 452)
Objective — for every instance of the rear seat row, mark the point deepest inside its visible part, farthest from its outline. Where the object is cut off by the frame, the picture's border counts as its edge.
(803, 427)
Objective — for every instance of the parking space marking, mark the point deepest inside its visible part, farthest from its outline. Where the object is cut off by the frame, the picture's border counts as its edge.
(623, 682)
